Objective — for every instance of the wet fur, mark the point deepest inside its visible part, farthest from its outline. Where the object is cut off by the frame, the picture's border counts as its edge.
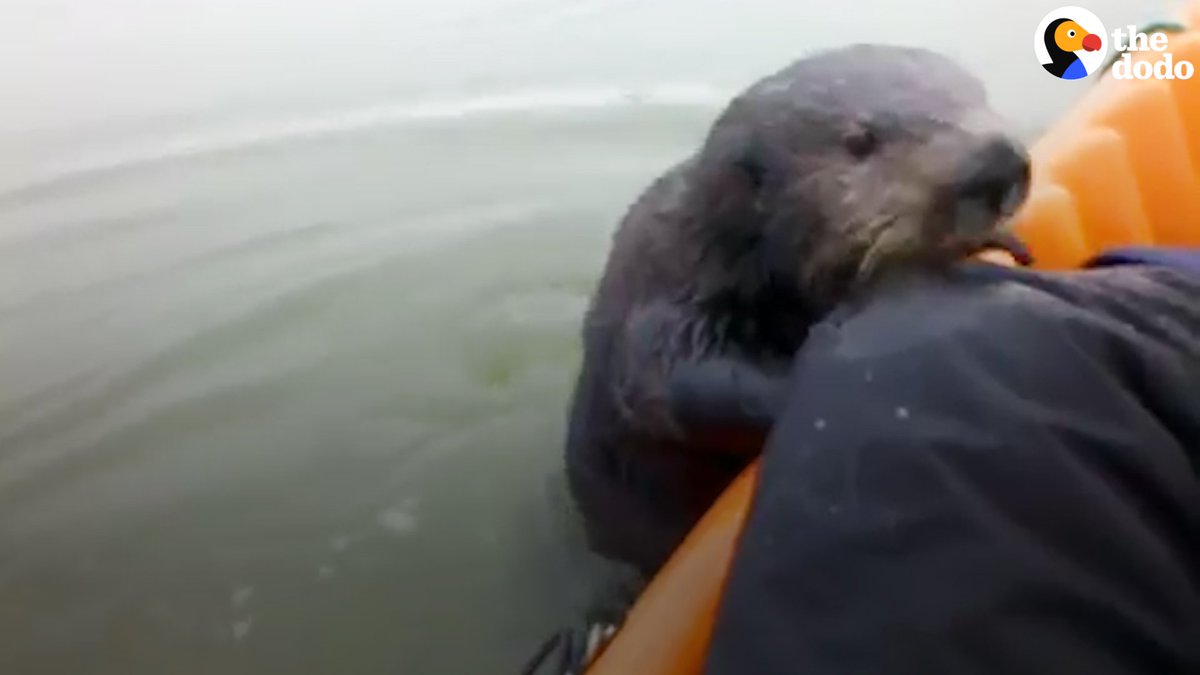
(811, 186)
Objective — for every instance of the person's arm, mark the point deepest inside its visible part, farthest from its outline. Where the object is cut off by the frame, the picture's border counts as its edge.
(994, 473)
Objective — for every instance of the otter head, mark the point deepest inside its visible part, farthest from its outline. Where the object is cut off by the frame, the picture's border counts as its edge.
(850, 163)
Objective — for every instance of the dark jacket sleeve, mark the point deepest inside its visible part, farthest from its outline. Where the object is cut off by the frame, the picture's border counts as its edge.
(991, 473)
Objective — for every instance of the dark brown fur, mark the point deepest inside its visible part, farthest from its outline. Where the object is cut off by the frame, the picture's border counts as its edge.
(812, 185)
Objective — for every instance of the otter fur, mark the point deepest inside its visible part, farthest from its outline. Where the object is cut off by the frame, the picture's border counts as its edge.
(814, 184)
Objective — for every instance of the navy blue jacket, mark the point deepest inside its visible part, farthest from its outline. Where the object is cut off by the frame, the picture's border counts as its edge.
(994, 473)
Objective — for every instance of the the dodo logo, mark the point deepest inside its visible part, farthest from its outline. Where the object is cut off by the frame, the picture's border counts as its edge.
(1071, 43)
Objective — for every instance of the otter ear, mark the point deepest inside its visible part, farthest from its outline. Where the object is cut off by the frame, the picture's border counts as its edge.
(742, 184)
(734, 159)
(740, 192)
(752, 168)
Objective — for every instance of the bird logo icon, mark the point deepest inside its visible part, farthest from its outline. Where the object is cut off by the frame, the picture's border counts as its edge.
(1071, 43)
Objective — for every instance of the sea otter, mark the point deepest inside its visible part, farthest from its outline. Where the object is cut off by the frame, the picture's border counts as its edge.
(812, 185)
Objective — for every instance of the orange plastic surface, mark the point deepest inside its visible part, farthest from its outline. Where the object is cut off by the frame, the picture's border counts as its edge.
(666, 632)
(1121, 167)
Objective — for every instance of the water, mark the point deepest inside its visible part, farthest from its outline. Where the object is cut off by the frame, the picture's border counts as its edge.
(289, 294)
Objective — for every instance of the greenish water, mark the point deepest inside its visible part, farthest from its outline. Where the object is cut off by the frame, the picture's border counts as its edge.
(289, 296)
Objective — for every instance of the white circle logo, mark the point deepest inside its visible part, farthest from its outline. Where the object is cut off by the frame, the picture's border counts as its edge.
(1071, 43)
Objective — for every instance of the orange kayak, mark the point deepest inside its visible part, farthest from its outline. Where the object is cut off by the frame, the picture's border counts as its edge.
(1122, 167)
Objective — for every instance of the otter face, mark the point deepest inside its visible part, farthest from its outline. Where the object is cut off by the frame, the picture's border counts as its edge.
(855, 160)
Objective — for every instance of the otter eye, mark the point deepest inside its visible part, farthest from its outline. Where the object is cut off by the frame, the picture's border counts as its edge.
(861, 143)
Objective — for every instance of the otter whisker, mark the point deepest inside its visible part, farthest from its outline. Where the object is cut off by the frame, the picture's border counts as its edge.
(889, 240)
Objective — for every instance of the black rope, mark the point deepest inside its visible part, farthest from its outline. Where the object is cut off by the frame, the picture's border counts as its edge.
(576, 649)
(572, 656)
(542, 653)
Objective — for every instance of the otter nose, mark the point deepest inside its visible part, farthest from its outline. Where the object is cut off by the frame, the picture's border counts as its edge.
(996, 177)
